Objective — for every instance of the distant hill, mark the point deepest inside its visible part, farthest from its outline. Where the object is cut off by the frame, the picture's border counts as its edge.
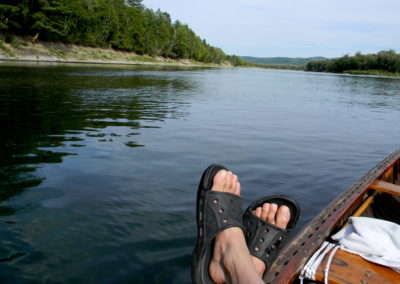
(281, 60)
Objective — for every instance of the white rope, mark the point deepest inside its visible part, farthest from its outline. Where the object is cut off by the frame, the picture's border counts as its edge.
(328, 263)
(306, 267)
(317, 262)
(309, 270)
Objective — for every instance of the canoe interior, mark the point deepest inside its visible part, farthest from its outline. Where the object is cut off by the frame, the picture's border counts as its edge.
(382, 178)
(348, 268)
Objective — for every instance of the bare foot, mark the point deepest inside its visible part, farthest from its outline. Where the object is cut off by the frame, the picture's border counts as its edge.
(226, 182)
(231, 260)
(276, 216)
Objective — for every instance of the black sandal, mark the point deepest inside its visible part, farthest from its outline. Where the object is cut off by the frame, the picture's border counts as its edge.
(265, 240)
(216, 211)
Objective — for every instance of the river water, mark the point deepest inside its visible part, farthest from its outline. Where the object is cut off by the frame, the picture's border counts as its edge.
(99, 165)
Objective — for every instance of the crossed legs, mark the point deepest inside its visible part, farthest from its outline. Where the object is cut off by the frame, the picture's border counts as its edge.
(231, 261)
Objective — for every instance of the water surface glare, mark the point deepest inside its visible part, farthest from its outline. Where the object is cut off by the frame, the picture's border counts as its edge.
(99, 165)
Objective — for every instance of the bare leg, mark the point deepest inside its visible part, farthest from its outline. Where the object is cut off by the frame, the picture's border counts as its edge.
(231, 261)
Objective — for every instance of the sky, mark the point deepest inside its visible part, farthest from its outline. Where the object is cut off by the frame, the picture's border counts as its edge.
(290, 28)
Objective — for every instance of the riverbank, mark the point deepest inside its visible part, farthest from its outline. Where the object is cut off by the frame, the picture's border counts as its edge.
(385, 63)
(23, 49)
(379, 73)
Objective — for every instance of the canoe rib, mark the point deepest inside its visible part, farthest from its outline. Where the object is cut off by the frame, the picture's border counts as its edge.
(387, 187)
(293, 257)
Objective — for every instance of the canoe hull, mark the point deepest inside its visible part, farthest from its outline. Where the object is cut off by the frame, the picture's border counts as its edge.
(293, 257)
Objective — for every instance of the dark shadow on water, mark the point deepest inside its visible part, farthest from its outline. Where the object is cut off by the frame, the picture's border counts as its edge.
(48, 113)
(168, 262)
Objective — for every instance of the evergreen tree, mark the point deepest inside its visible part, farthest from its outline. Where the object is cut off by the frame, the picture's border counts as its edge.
(385, 60)
(121, 24)
(8, 17)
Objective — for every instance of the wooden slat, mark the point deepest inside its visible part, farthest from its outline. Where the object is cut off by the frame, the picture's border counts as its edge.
(363, 207)
(388, 175)
(387, 187)
(347, 268)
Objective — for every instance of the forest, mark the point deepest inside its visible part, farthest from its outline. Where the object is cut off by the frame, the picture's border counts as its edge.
(297, 61)
(384, 61)
(120, 24)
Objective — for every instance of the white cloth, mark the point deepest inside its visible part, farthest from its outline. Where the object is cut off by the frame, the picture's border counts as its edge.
(373, 239)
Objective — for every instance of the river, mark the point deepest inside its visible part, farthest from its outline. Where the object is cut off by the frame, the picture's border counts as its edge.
(99, 165)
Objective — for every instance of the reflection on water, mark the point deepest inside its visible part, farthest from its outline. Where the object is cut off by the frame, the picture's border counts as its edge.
(46, 112)
(99, 165)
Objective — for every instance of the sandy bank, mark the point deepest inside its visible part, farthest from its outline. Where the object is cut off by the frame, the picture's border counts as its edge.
(22, 49)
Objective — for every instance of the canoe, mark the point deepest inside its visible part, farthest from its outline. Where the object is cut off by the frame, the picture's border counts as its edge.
(381, 182)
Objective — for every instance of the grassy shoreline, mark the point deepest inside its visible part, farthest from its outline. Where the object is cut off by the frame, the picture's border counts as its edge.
(380, 73)
(22, 49)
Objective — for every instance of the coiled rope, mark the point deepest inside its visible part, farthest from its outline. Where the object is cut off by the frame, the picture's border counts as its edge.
(309, 270)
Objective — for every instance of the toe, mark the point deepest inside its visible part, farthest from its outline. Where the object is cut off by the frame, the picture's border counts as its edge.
(265, 210)
(238, 188)
(258, 212)
(235, 184)
(271, 213)
(282, 217)
(219, 181)
(228, 182)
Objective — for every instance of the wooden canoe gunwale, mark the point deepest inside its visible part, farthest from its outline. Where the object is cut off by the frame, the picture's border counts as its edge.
(293, 257)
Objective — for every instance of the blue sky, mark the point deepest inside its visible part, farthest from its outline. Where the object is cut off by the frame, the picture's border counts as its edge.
(293, 28)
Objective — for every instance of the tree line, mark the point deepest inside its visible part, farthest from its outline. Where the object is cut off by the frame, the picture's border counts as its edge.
(385, 60)
(121, 24)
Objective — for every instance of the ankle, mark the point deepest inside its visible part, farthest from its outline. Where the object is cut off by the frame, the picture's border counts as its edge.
(232, 245)
(230, 239)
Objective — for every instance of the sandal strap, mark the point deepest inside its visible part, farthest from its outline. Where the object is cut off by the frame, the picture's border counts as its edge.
(264, 240)
(222, 210)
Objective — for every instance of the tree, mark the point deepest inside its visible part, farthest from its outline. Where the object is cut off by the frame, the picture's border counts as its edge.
(8, 17)
(48, 19)
(385, 60)
(121, 24)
